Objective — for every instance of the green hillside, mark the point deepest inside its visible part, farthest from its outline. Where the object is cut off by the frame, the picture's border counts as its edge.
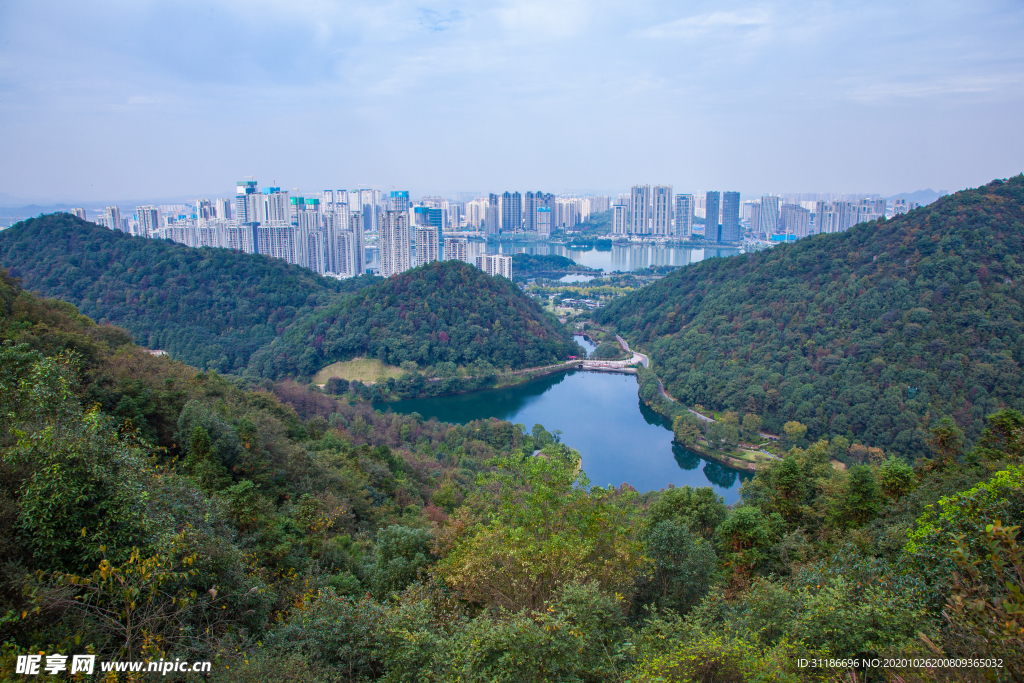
(207, 307)
(443, 312)
(151, 511)
(875, 333)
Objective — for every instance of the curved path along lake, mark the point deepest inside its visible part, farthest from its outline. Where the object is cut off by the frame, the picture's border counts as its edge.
(600, 415)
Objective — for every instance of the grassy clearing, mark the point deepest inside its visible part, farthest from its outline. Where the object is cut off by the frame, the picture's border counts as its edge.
(754, 456)
(362, 369)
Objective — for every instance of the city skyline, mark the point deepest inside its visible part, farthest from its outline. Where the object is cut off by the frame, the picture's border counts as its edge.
(457, 96)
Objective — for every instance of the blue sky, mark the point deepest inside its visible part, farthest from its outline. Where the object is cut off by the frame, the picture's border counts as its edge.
(137, 99)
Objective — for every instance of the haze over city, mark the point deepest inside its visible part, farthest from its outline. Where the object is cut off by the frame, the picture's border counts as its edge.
(116, 100)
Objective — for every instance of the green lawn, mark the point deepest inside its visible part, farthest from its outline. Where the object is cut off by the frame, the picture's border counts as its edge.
(362, 369)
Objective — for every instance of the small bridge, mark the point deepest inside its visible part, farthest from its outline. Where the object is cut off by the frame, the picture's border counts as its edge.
(607, 366)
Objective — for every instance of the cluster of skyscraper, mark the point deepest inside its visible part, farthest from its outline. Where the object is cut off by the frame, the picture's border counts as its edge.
(539, 213)
(325, 233)
(656, 212)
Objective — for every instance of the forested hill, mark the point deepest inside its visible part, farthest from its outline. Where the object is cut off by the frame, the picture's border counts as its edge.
(207, 307)
(446, 311)
(874, 333)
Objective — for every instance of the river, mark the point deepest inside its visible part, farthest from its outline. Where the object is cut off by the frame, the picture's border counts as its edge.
(620, 440)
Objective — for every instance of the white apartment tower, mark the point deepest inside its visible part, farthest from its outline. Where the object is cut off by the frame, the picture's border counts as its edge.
(395, 250)
(768, 218)
(112, 218)
(495, 264)
(223, 209)
(147, 220)
(620, 219)
(661, 210)
(456, 249)
(427, 248)
(542, 220)
(640, 210)
(684, 216)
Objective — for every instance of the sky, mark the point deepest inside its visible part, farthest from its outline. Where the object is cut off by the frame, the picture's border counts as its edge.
(141, 99)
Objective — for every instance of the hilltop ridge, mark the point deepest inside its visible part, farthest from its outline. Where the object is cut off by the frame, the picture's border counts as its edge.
(874, 333)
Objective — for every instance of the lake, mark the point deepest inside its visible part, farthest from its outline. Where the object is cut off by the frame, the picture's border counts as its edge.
(622, 257)
(620, 440)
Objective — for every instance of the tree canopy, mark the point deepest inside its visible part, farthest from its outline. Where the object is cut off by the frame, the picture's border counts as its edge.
(875, 333)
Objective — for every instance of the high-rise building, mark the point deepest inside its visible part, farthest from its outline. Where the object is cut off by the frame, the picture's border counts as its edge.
(768, 219)
(112, 214)
(492, 217)
(246, 202)
(80, 213)
(456, 249)
(359, 243)
(223, 209)
(567, 212)
(755, 218)
(511, 212)
(456, 215)
(395, 250)
(684, 216)
(794, 221)
(204, 209)
(640, 210)
(427, 245)
(476, 212)
(542, 220)
(712, 229)
(147, 221)
(731, 217)
(620, 219)
(661, 210)
(599, 203)
(495, 264)
(275, 206)
(399, 200)
(531, 201)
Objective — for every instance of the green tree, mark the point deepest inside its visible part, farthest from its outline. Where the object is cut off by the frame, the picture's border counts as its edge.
(897, 478)
(400, 557)
(794, 431)
(687, 429)
(683, 566)
(543, 528)
(861, 503)
(751, 426)
(947, 441)
(701, 510)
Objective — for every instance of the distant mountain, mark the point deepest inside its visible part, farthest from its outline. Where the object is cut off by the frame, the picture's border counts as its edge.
(922, 197)
(446, 311)
(874, 333)
(211, 308)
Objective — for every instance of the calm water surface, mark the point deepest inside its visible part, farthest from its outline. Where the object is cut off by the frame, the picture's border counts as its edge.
(619, 439)
(623, 257)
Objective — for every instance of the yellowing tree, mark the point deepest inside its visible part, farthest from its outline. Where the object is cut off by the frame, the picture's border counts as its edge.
(538, 525)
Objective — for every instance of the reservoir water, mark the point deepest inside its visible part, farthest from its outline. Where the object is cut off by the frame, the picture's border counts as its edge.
(622, 257)
(620, 440)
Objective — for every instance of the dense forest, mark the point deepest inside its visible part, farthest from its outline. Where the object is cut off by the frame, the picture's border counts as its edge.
(876, 334)
(442, 312)
(544, 265)
(243, 313)
(149, 510)
(210, 308)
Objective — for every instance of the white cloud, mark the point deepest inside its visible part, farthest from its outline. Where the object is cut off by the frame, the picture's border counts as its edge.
(688, 27)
